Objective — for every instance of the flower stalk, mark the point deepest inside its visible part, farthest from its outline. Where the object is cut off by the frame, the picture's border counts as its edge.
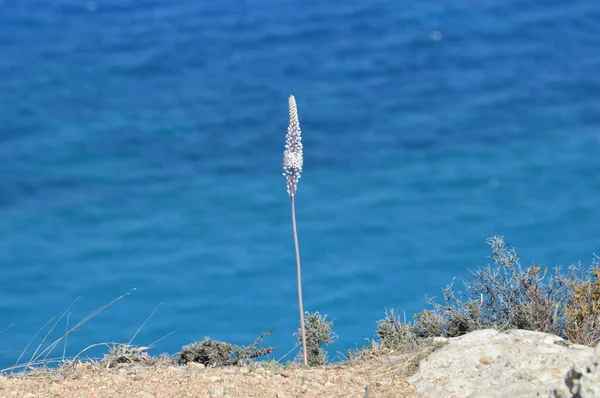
(292, 169)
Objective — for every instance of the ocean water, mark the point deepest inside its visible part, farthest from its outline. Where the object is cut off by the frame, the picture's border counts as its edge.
(141, 147)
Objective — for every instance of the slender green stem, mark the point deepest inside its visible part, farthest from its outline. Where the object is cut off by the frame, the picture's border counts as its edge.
(299, 276)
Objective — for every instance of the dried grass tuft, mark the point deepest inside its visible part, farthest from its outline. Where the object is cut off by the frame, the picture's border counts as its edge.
(216, 353)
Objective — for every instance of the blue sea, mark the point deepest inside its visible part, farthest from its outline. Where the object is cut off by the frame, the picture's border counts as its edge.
(141, 147)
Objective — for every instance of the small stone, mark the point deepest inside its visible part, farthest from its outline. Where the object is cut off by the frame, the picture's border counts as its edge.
(196, 365)
(83, 366)
(215, 379)
(145, 394)
(486, 360)
(216, 391)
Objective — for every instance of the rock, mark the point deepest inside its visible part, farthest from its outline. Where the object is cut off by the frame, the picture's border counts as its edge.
(517, 363)
(83, 366)
(145, 394)
(580, 381)
(196, 365)
(216, 391)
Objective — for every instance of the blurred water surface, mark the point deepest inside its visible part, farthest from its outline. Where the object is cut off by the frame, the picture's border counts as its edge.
(141, 146)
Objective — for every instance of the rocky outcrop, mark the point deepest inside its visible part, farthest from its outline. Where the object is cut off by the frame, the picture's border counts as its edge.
(517, 363)
(579, 382)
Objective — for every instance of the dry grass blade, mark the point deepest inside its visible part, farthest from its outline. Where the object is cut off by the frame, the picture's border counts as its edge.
(252, 347)
(52, 346)
(144, 324)
(41, 357)
(288, 353)
(28, 365)
(6, 328)
(66, 330)
(52, 329)
(31, 341)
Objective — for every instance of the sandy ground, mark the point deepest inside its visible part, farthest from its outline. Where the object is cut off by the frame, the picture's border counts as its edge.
(382, 377)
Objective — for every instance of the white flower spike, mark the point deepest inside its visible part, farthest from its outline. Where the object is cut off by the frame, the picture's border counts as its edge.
(293, 156)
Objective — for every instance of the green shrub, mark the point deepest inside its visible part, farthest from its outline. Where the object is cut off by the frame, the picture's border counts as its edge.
(318, 334)
(507, 295)
(429, 323)
(217, 353)
(394, 333)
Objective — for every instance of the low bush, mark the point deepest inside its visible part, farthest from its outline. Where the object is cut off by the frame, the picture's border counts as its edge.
(318, 335)
(506, 295)
(216, 353)
(395, 334)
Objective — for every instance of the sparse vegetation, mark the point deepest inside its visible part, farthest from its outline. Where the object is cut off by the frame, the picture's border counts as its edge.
(217, 353)
(501, 295)
(124, 354)
(582, 309)
(399, 342)
(506, 295)
(395, 334)
(318, 335)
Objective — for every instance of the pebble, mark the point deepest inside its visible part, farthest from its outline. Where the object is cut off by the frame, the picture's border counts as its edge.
(216, 391)
(83, 366)
(196, 365)
(145, 394)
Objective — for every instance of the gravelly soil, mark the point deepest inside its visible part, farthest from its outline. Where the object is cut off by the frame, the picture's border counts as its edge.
(383, 377)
